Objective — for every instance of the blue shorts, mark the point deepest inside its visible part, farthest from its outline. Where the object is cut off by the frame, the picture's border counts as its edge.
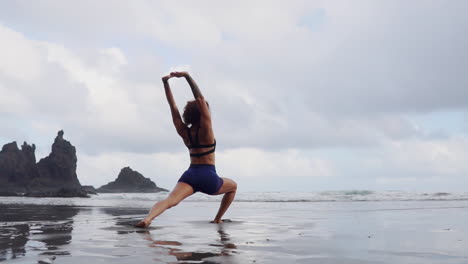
(202, 178)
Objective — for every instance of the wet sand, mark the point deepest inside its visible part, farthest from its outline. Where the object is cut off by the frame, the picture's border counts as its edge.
(336, 232)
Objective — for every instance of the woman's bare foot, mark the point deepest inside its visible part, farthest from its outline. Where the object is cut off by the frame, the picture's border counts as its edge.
(143, 223)
(221, 221)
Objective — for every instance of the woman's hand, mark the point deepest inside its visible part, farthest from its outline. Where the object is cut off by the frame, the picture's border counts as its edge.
(179, 74)
(166, 78)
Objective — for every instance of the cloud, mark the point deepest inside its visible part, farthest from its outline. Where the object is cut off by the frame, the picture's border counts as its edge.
(411, 164)
(369, 58)
(82, 95)
(19, 60)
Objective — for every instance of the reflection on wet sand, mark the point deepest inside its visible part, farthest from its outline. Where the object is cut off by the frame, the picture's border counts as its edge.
(174, 248)
(54, 236)
(223, 246)
(44, 229)
(34, 233)
(12, 241)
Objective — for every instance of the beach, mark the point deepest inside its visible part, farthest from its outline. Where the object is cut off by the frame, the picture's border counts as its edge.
(79, 230)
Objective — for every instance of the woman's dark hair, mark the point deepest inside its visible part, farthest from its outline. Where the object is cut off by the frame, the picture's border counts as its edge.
(191, 113)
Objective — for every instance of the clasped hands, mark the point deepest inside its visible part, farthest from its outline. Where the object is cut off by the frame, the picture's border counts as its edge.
(175, 74)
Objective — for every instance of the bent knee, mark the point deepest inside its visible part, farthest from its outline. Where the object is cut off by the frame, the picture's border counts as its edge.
(232, 186)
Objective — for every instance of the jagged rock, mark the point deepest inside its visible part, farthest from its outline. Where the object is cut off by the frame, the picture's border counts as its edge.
(17, 167)
(90, 189)
(130, 181)
(53, 176)
(58, 170)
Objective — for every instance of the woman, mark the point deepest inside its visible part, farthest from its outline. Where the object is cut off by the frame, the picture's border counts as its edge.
(197, 133)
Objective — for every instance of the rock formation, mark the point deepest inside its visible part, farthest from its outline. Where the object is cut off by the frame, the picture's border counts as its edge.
(59, 168)
(130, 181)
(54, 175)
(17, 167)
(90, 189)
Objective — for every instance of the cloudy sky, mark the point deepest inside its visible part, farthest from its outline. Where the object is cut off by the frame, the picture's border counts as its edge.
(305, 95)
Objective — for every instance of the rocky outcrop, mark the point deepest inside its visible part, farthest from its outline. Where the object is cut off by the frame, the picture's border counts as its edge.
(130, 181)
(53, 176)
(90, 189)
(17, 168)
(58, 170)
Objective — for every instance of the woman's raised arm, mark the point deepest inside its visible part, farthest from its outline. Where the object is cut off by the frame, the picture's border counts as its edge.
(176, 119)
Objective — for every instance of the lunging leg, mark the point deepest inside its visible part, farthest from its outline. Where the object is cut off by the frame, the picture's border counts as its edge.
(181, 191)
(229, 189)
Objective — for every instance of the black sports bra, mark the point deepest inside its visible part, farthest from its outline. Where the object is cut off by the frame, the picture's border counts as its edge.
(198, 145)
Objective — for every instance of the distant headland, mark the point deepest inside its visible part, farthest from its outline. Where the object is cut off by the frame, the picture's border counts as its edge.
(130, 181)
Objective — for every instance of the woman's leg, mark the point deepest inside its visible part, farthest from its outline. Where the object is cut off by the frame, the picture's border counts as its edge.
(181, 191)
(229, 189)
